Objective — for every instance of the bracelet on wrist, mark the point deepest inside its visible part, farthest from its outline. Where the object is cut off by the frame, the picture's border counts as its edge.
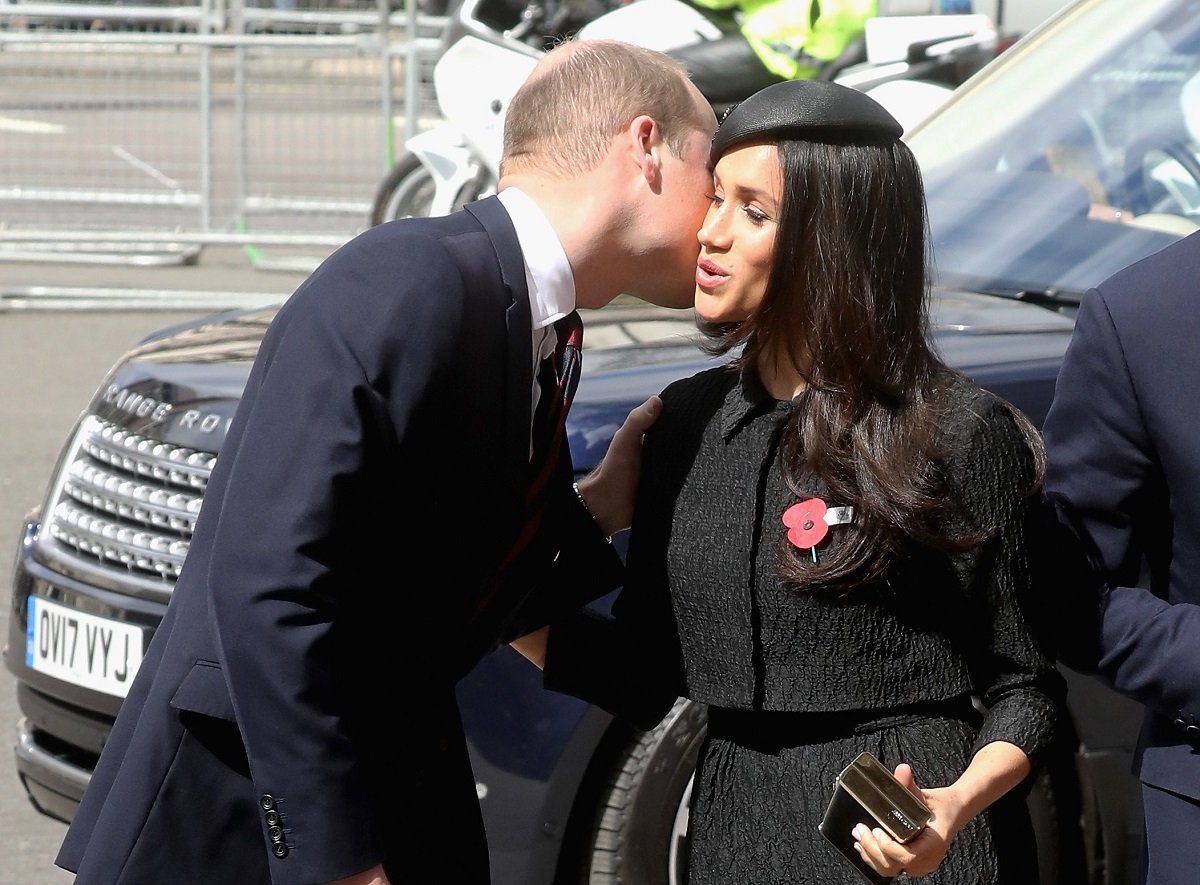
(587, 510)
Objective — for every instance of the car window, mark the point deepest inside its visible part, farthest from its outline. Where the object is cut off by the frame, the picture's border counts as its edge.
(1071, 156)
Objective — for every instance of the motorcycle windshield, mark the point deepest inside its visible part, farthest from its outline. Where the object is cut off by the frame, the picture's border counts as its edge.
(1071, 155)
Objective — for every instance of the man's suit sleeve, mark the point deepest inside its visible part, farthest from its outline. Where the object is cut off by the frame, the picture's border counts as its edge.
(1099, 460)
(583, 567)
(276, 596)
(629, 661)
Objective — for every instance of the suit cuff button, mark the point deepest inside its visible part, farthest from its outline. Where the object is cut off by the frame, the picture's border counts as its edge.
(280, 850)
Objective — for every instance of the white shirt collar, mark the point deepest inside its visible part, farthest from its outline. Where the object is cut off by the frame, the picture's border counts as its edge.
(547, 270)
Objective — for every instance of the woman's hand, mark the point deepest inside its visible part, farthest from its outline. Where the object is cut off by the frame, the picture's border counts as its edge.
(995, 769)
(922, 855)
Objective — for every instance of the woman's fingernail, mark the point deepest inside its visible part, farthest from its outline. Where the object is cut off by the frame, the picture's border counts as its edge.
(877, 833)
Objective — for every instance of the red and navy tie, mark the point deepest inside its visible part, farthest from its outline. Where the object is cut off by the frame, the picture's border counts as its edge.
(498, 604)
(549, 425)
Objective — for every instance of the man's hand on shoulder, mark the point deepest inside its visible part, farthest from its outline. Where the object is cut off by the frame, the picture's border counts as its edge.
(609, 491)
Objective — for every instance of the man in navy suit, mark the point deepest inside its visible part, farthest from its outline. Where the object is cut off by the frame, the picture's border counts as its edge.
(295, 720)
(1123, 448)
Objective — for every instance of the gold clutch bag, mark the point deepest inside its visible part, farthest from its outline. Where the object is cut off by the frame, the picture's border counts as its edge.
(867, 793)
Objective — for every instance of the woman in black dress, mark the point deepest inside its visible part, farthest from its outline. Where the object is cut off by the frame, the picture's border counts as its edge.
(828, 547)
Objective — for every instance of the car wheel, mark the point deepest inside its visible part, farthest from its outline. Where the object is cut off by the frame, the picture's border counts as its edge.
(641, 831)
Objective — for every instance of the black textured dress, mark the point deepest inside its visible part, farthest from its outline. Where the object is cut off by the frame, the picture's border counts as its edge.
(798, 683)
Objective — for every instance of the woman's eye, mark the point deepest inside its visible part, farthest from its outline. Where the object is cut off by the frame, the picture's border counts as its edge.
(757, 215)
(715, 199)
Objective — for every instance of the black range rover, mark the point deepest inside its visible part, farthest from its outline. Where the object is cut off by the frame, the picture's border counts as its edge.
(563, 787)
(1044, 176)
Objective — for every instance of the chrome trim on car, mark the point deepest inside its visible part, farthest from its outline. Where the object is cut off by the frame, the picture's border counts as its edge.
(125, 502)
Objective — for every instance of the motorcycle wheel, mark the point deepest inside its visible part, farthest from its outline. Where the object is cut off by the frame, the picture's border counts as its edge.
(407, 191)
(639, 836)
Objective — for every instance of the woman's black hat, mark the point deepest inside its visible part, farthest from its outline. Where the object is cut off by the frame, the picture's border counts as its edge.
(813, 110)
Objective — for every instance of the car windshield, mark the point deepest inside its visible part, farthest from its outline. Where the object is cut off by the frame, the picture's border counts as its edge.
(1072, 155)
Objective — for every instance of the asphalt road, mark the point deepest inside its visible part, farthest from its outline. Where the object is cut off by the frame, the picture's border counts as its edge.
(52, 358)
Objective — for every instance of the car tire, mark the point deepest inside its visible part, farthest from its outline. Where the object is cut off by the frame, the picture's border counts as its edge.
(640, 833)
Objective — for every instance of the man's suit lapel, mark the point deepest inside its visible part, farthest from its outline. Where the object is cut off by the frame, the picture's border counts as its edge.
(492, 215)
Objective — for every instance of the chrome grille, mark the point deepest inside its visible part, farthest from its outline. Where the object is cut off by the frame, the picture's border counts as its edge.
(128, 501)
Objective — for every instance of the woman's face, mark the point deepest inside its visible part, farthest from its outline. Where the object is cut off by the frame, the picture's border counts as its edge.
(738, 235)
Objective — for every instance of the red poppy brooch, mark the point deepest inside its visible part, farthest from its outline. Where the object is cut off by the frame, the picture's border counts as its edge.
(808, 522)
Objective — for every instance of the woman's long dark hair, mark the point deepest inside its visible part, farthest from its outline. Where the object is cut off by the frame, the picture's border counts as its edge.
(847, 304)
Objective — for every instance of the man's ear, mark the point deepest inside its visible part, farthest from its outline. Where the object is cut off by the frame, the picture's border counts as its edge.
(647, 145)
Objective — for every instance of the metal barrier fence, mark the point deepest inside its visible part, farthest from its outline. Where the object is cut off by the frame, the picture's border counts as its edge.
(163, 128)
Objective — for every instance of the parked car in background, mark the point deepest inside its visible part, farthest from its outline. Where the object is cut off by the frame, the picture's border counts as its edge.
(1070, 156)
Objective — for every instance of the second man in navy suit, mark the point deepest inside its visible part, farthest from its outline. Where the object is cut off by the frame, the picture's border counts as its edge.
(1123, 448)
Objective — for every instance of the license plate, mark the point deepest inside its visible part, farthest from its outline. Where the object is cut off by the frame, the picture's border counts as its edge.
(96, 653)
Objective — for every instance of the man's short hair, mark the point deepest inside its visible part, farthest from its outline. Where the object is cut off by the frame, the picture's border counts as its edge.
(582, 93)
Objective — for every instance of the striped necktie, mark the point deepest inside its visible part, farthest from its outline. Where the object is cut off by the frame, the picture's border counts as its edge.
(548, 437)
(549, 425)
(558, 376)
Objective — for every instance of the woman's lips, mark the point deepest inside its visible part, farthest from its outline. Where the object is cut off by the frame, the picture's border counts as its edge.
(709, 274)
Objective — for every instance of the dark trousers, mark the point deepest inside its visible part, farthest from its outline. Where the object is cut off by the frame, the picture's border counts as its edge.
(1169, 845)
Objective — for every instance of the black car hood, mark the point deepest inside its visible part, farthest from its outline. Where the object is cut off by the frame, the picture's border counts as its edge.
(182, 384)
(982, 335)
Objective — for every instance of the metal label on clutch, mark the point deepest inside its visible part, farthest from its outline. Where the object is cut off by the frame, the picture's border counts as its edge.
(887, 800)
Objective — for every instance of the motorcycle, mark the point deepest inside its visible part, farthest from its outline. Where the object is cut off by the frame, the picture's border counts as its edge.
(910, 63)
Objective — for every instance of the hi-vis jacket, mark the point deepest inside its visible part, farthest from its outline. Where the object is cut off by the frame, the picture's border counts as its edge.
(794, 37)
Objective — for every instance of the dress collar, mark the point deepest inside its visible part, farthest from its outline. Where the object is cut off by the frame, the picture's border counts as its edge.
(746, 400)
